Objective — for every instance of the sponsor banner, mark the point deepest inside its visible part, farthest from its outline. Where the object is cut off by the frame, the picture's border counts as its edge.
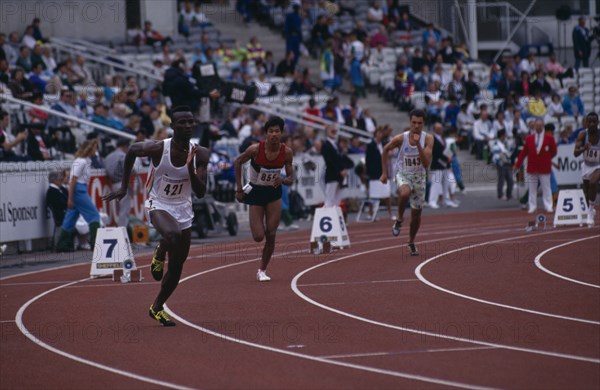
(567, 168)
(23, 212)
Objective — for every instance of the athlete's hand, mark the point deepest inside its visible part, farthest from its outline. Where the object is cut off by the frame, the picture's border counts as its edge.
(383, 178)
(239, 196)
(415, 137)
(277, 181)
(118, 195)
(190, 158)
(587, 146)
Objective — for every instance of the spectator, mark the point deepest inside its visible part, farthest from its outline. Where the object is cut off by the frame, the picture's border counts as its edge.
(330, 80)
(402, 83)
(57, 197)
(555, 108)
(151, 37)
(37, 33)
(447, 51)
(456, 88)
(404, 24)
(440, 170)
(523, 87)
(38, 146)
(356, 146)
(19, 86)
(186, 16)
(554, 66)
(82, 72)
(370, 123)
(553, 81)
(38, 83)
(507, 84)
(179, 88)
(464, 123)
(79, 201)
(565, 135)
(380, 37)
(423, 80)
(114, 163)
(501, 153)
(269, 64)
(539, 149)
(541, 84)
(335, 173)
(375, 13)
(8, 143)
(451, 113)
(482, 132)
(48, 58)
(582, 44)
(255, 50)
(572, 103)
(287, 66)
(7, 52)
(430, 34)
(528, 64)
(536, 107)
(36, 56)
(319, 35)
(377, 190)
(101, 117)
(292, 31)
(456, 172)
(28, 39)
(24, 60)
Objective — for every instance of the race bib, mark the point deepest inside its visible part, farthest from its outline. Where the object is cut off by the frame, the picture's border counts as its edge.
(412, 162)
(592, 156)
(172, 189)
(266, 176)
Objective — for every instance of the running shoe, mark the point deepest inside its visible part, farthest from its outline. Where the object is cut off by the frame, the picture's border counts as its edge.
(396, 227)
(591, 216)
(261, 276)
(160, 316)
(412, 248)
(157, 265)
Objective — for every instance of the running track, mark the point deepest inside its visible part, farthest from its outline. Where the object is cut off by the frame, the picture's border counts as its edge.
(485, 305)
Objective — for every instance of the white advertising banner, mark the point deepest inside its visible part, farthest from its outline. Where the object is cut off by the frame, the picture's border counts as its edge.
(567, 168)
(23, 213)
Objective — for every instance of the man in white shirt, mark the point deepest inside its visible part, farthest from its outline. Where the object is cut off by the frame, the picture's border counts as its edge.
(481, 132)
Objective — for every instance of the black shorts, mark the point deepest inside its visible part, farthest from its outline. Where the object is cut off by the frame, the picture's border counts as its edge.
(262, 195)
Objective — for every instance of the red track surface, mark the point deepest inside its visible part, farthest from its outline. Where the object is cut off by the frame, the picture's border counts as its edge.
(480, 314)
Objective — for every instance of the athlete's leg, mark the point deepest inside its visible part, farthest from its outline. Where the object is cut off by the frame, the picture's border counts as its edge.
(168, 228)
(403, 198)
(257, 222)
(415, 223)
(177, 257)
(592, 189)
(273, 215)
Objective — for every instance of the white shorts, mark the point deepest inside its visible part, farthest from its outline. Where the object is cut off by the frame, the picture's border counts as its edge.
(587, 171)
(378, 190)
(182, 212)
(417, 183)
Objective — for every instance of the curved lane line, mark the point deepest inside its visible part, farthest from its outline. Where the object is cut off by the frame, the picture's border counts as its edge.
(538, 263)
(294, 285)
(30, 336)
(484, 301)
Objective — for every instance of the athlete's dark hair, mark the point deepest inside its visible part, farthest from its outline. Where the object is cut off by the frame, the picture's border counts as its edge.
(593, 113)
(177, 109)
(274, 121)
(418, 113)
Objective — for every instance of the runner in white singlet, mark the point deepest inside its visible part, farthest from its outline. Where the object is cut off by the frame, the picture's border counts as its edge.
(178, 168)
(413, 160)
(588, 145)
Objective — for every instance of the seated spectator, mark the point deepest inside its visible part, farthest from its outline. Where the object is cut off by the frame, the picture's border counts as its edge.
(186, 17)
(24, 60)
(456, 88)
(501, 123)
(402, 88)
(356, 146)
(528, 64)
(554, 66)
(461, 52)
(255, 50)
(555, 108)
(541, 84)
(38, 83)
(10, 54)
(152, 37)
(4, 75)
(269, 64)
(572, 103)
(451, 112)
(297, 87)
(471, 88)
(9, 143)
(564, 138)
(48, 58)
(37, 33)
(496, 77)
(430, 36)
(352, 120)
(519, 126)
(36, 56)
(524, 87)
(38, 145)
(375, 13)
(20, 87)
(404, 24)
(447, 51)
(28, 39)
(553, 81)
(370, 122)
(287, 66)
(536, 107)
(101, 117)
(422, 82)
(199, 19)
(380, 37)
(507, 85)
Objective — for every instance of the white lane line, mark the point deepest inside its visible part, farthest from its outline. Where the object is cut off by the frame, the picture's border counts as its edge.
(30, 336)
(363, 282)
(407, 352)
(418, 272)
(294, 286)
(35, 283)
(538, 263)
(7, 321)
(223, 336)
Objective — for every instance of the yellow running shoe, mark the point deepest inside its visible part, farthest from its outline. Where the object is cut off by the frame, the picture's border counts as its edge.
(160, 316)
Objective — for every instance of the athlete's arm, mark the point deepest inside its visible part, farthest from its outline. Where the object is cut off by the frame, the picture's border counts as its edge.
(580, 145)
(151, 149)
(396, 142)
(250, 152)
(426, 152)
(289, 167)
(198, 173)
